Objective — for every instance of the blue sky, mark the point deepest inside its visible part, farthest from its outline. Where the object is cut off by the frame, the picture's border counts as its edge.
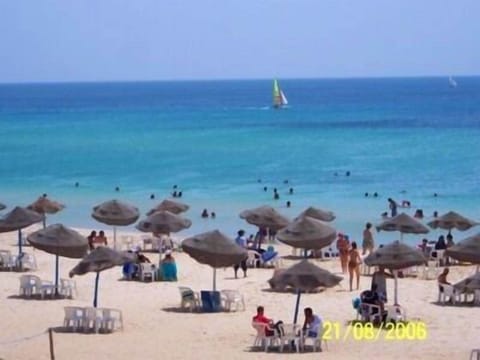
(97, 40)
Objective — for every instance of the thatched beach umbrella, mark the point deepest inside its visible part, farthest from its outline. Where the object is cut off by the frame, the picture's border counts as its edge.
(17, 219)
(175, 207)
(318, 214)
(307, 233)
(115, 213)
(395, 256)
(163, 222)
(403, 223)
(60, 241)
(44, 205)
(265, 217)
(214, 249)
(471, 283)
(467, 250)
(452, 220)
(304, 276)
(102, 258)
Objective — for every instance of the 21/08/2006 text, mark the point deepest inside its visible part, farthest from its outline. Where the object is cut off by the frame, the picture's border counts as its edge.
(411, 331)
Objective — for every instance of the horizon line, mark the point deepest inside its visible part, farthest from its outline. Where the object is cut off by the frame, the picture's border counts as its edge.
(53, 82)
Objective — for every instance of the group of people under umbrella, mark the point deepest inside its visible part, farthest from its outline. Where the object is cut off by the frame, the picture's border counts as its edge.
(308, 231)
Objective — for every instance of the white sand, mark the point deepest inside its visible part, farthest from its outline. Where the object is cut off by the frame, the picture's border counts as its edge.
(153, 332)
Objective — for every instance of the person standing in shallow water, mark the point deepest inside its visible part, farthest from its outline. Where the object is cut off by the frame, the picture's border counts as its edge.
(392, 206)
(368, 243)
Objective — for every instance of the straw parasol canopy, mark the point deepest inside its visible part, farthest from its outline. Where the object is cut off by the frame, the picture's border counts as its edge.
(44, 205)
(2, 206)
(470, 284)
(265, 217)
(215, 249)
(163, 222)
(395, 256)
(452, 220)
(100, 259)
(17, 219)
(318, 214)
(403, 223)
(466, 250)
(60, 241)
(304, 276)
(307, 233)
(115, 213)
(175, 207)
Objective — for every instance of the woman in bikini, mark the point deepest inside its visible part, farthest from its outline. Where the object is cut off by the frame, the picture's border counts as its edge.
(354, 264)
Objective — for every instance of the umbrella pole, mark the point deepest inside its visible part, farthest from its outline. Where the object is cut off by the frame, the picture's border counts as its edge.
(44, 221)
(95, 298)
(56, 274)
(297, 306)
(20, 249)
(115, 238)
(395, 278)
(401, 236)
(214, 279)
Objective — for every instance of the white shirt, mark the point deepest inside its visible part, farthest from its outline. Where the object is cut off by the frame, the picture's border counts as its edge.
(315, 324)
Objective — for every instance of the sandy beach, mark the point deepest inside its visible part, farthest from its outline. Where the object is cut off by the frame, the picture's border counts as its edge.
(155, 329)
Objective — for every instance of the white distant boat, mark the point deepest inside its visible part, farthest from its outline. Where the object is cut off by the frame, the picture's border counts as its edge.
(279, 98)
(452, 82)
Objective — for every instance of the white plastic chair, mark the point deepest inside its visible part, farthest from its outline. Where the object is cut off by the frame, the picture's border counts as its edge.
(448, 294)
(396, 313)
(261, 339)
(68, 287)
(92, 319)
(27, 285)
(232, 299)
(476, 299)
(7, 261)
(189, 298)
(147, 270)
(251, 259)
(475, 354)
(430, 272)
(74, 317)
(29, 261)
(111, 320)
(291, 335)
(316, 341)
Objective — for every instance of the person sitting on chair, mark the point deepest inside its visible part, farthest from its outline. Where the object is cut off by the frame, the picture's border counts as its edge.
(271, 326)
(312, 324)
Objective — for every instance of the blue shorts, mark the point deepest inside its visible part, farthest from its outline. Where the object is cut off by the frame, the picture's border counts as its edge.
(312, 334)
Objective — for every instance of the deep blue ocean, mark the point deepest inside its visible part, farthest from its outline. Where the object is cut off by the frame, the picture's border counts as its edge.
(405, 138)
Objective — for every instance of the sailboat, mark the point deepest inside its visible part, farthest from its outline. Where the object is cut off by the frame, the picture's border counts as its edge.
(452, 82)
(279, 98)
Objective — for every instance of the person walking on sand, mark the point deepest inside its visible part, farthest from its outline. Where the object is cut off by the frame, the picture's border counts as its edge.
(354, 262)
(342, 247)
(368, 243)
(242, 242)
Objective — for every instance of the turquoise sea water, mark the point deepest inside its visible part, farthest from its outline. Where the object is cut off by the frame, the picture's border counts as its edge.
(215, 140)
